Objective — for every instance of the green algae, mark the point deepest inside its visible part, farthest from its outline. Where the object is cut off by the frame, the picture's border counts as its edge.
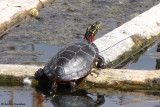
(124, 85)
(10, 80)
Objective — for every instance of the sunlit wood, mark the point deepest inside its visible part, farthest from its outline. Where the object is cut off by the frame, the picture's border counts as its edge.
(130, 37)
(13, 12)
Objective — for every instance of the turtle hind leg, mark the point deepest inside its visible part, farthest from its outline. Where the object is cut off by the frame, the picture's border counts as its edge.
(101, 62)
(39, 74)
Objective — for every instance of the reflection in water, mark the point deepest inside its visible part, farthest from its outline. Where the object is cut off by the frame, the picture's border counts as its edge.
(158, 60)
(65, 98)
(147, 59)
(15, 97)
(76, 101)
(80, 98)
(40, 97)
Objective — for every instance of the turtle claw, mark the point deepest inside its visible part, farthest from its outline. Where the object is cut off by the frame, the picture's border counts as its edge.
(101, 62)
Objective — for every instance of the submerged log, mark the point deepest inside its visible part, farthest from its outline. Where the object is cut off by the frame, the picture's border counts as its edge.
(12, 12)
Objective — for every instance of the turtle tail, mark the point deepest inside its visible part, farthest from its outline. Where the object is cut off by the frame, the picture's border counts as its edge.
(39, 74)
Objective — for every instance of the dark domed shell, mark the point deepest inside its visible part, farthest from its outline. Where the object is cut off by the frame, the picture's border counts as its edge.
(72, 62)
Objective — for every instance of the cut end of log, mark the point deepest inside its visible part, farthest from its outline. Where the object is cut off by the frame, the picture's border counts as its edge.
(14, 74)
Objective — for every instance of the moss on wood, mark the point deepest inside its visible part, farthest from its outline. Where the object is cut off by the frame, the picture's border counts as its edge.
(10, 80)
(141, 44)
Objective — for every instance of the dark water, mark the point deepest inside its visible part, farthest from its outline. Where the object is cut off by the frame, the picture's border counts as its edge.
(29, 97)
(148, 60)
(62, 22)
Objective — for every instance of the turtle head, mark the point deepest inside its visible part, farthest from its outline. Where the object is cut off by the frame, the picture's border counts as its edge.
(92, 31)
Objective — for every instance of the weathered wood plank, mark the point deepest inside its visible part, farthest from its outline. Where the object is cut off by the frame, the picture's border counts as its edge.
(18, 70)
(125, 40)
(12, 12)
(123, 79)
(113, 78)
(11, 74)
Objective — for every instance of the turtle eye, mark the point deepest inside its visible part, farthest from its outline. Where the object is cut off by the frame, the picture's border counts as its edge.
(91, 29)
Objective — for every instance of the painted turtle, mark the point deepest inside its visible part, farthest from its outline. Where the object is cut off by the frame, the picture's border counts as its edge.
(74, 61)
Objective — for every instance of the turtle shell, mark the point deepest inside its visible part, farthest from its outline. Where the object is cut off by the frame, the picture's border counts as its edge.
(72, 62)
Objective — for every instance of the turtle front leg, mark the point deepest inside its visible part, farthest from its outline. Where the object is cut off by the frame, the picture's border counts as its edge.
(73, 86)
(101, 62)
(54, 86)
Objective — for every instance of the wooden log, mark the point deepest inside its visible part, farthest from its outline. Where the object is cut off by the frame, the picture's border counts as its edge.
(112, 78)
(18, 70)
(122, 79)
(15, 74)
(115, 46)
(124, 41)
(12, 12)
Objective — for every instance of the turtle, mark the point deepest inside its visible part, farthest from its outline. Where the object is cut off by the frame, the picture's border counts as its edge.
(74, 61)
